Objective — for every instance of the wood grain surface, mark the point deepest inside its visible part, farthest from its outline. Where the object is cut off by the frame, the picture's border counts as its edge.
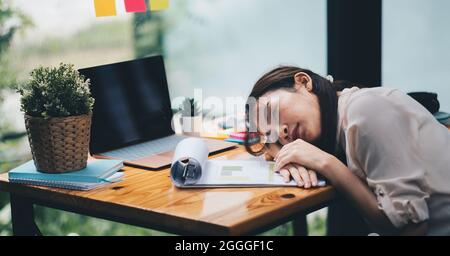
(149, 199)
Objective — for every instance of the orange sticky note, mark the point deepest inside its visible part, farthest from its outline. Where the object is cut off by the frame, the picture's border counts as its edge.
(158, 5)
(105, 8)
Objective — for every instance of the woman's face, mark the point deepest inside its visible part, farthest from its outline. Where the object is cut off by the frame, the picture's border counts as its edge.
(299, 112)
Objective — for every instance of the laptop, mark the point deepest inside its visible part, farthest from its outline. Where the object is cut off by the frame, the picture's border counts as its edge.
(132, 115)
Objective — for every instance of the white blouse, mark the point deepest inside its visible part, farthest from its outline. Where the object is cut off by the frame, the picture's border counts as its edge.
(403, 154)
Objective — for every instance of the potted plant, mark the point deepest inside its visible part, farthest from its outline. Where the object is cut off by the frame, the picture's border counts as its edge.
(58, 107)
(191, 118)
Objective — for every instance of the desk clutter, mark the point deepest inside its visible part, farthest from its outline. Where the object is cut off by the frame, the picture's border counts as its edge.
(443, 118)
(239, 137)
(134, 127)
(191, 168)
(229, 135)
(236, 137)
(97, 173)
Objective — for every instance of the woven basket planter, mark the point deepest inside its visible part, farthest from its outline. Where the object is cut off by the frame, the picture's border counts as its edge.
(59, 145)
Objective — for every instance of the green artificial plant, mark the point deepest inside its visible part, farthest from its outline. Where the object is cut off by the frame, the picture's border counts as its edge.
(189, 108)
(56, 92)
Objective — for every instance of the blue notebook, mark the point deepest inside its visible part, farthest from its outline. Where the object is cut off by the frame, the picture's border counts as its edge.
(97, 171)
(241, 142)
(116, 177)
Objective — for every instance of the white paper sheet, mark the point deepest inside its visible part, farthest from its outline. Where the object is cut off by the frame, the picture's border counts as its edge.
(222, 173)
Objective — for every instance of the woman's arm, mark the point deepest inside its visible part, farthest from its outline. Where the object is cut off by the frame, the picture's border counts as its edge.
(363, 198)
(355, 190)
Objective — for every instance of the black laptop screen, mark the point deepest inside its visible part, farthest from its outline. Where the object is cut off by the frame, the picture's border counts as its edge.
(132, 103)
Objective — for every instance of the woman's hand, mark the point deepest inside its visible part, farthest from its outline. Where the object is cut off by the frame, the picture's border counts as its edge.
(303, 177)
(303, 154)
(271, 151)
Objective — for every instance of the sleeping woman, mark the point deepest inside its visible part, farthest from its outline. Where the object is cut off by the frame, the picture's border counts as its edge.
(383, 151)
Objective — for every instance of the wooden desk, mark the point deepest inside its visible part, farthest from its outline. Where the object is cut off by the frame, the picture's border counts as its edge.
(148, 199)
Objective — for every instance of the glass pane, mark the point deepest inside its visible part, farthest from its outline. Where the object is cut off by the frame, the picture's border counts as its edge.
(220, 46)
(416, 39)
(224, 46)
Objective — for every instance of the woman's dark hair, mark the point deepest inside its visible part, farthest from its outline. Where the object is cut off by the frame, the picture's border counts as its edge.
(326, 91)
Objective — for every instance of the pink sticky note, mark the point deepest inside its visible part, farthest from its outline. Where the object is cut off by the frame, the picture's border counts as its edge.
(135, 6)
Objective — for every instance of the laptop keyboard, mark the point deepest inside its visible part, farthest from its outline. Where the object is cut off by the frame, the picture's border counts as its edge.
(146, 149)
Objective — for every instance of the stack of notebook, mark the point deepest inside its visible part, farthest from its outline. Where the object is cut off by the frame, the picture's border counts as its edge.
(239, 137)
(97, 173)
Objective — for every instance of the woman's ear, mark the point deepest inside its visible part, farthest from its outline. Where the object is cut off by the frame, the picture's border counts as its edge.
(303, 80)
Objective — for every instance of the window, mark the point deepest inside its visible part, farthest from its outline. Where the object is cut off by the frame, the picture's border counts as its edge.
(416, 56)
(224, 46)
(221, 47)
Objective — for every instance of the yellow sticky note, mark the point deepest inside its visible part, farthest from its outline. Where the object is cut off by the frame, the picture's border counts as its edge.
(105, 8)
(158, 5)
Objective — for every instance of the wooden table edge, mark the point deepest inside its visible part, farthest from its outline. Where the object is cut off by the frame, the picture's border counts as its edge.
(171, 223)
(61, 201)
(152, 219)
(273, 219)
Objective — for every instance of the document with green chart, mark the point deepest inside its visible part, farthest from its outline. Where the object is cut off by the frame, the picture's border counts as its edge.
(192, 169)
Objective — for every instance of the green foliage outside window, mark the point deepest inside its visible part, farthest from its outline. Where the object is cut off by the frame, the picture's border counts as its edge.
(148, 34)
(11, 22)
